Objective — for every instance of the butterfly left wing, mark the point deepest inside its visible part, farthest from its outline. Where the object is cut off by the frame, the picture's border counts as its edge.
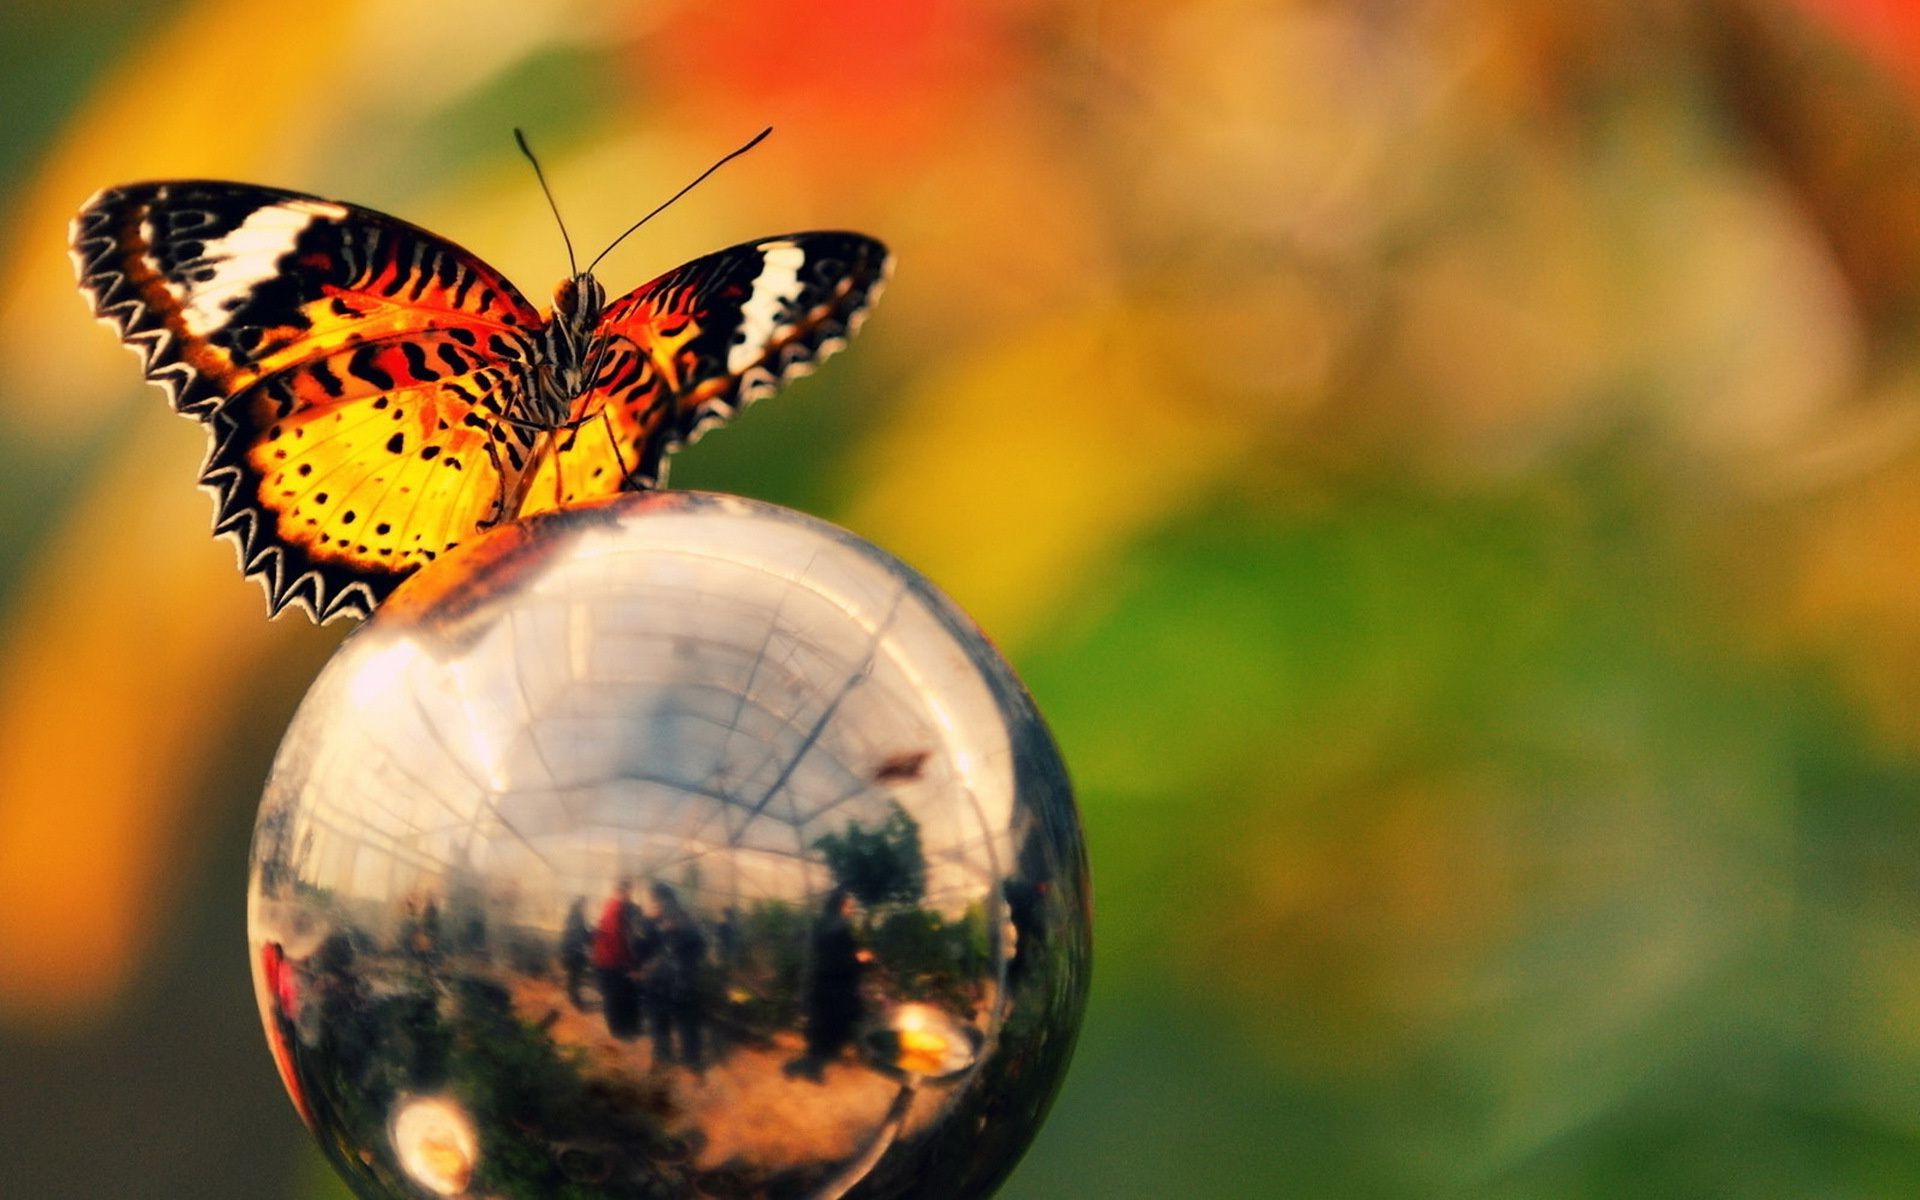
(355, 372)
(696, 345)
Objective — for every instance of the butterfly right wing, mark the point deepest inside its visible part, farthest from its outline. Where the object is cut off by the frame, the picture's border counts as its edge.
(356, 374)
(694, 346)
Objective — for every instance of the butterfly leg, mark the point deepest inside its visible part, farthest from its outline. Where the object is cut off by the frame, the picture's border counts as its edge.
(509, 426)
(619, 456)
(499, 510)
(559, 467)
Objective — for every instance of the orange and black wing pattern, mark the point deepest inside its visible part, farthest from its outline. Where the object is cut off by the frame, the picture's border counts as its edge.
(357, 374)
(698, 344)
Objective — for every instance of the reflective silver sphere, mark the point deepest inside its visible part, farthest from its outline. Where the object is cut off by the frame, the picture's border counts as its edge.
(677, 846)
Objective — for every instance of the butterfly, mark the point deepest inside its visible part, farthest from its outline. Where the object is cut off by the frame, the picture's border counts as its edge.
(375, 395)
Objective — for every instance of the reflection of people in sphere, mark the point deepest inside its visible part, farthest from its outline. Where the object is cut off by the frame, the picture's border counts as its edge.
(1029, 926)
(833, 991)
(344, 1034)
(575, 943)
(427, 940)
(613, 962)
(727, 933)
(283, 1011)
(673, 985)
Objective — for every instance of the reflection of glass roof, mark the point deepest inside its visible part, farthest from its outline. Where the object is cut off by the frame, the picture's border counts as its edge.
(696, 699)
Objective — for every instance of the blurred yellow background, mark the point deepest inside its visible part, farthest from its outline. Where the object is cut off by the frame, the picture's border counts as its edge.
(1450, 472)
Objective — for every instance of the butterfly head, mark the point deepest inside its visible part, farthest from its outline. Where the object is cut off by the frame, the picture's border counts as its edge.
(577, 301)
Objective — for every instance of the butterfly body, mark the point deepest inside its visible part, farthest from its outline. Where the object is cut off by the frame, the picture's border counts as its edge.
(572, 343)
(375, 394)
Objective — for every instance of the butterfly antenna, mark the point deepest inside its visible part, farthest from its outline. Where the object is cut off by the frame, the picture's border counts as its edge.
(527, 150)
(757, 139)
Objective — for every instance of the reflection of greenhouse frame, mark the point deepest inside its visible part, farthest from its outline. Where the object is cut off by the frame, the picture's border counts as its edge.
(878, 866)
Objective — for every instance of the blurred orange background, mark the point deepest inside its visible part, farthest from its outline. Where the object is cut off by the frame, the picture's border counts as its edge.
(1450, 472)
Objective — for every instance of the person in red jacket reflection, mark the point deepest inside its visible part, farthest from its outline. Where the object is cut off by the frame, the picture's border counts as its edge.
(283, 1003)
(614, 962)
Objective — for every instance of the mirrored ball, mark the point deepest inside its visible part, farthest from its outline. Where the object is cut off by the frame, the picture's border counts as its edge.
(676, 846)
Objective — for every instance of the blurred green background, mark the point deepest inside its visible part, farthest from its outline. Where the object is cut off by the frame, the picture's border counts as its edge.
(1449, 471)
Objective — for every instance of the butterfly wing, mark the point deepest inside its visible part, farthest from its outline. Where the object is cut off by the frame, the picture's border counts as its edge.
(698, 344)
(354, 372)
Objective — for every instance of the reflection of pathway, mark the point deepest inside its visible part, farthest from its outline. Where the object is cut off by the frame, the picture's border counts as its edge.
(544, 1003)
(753, 1112)
(753, 1115)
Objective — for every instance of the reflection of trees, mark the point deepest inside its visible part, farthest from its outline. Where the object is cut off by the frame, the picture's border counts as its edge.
(548, 1127)
(773, 947)
(932, 959)
(923, 955)
(879, 866)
